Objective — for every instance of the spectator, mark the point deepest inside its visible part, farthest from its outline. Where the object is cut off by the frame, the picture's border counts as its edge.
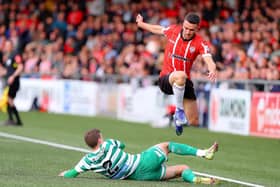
(75, 15)
(107, 32)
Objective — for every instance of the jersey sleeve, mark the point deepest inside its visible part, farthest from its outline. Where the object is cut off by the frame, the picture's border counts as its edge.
(168, 31)
(204, 48)
(117, 143)
(83, 165)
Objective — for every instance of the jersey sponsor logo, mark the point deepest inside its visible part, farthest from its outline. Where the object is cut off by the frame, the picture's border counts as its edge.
(233, 108)
(268, 114)
(265, 114)
(180, 58)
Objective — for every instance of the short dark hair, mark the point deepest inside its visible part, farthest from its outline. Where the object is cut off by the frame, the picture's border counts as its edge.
(192, 18)
(91, 137)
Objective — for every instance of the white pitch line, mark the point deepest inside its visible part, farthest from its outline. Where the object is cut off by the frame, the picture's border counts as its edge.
(6, 135)
(228, 179)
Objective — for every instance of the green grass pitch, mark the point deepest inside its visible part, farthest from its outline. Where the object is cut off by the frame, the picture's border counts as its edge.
(249, 159)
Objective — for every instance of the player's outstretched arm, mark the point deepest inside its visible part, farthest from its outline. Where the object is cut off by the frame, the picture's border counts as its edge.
(212, 75)
(156, 29)
(71, 173)
(81, 167)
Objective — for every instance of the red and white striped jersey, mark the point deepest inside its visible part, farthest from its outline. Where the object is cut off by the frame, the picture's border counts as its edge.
(179, 53)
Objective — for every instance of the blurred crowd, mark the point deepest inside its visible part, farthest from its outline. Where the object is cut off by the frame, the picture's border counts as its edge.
(73, 39)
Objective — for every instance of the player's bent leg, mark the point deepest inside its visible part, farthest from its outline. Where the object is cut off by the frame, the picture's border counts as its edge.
(178, 77)
(151, 165)
(177, 80)
(177, 148)
(183, 170)
(187, 174)
(182, 149)
(185, 149)
(174, 171)
(191, 111)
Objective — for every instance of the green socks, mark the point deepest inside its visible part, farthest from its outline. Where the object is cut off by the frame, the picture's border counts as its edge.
(188, 176)
(181, 149)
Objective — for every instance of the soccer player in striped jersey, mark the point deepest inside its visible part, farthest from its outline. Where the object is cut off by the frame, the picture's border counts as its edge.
(109, 159)
(182, 48)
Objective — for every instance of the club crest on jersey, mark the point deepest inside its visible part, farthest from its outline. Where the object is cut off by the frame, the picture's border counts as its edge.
(192, 49)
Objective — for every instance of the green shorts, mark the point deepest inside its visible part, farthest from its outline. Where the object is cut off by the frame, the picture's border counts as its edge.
(151, 165)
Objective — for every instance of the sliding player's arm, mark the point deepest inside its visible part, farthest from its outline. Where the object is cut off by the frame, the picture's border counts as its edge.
(156, 29)
(71, 173)
(81, 167)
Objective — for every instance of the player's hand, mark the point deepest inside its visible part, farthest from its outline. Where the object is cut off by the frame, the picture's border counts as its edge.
(212, 75)
(62, 173)
(139, 19)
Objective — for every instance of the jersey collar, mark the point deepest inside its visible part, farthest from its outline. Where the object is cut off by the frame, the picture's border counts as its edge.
(185, 40)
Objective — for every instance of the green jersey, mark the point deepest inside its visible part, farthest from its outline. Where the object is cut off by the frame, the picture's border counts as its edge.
(109, 160)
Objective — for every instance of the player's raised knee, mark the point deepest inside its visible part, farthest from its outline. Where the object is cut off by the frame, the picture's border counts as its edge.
(179, 77)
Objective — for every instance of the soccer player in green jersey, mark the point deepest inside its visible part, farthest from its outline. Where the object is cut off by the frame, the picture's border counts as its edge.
(109, 159)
